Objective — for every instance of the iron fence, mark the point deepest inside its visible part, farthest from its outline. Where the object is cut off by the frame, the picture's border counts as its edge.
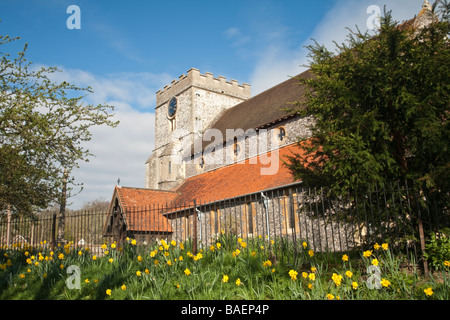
(280, 221)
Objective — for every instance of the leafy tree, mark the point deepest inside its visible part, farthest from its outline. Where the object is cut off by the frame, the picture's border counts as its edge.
(43, 125)
(380, 106)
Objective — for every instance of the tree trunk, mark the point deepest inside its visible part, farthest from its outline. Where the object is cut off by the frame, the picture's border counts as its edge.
(62, 210)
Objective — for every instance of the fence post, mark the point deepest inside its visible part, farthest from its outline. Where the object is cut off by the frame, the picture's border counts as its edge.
(194, 222)
(422, 243)
(53, 240)
(8, 226)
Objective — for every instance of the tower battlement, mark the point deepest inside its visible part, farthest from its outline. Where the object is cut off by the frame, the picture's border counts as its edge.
(206, 81)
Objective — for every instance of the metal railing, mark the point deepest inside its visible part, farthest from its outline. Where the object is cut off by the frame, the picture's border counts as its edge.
(279, 221)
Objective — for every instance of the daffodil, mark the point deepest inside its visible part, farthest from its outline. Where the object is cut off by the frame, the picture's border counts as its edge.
(108, 292)
(337, 278)
(385, 282)
(187, 272)
(225, 278)
(267, 263)
(123, 287)
(238, 282)
(345, 258)
(428, 291)
(293, 274)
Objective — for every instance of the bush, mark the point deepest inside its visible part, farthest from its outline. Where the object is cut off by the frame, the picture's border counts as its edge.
(437, 250)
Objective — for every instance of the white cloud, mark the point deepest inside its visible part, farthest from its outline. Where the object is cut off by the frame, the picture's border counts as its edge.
(121, 151)
(279, 60)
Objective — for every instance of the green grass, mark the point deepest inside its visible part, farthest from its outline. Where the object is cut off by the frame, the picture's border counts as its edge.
(137, 274)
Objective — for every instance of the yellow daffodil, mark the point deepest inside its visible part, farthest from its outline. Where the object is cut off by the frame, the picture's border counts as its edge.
(355, 285)
(123, 287)
(337, 278)
(187, 272)
(108, 292)
(385, 282)
(345, 258)
(293, 274)
(238, 282)
(225, 278)
(267, 263)
(428, 291)
(385, 246)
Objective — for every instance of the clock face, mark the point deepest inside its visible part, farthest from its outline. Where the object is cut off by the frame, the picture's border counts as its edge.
(172, 107)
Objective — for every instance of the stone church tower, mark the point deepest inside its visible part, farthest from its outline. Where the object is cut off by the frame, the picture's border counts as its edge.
(183, 110)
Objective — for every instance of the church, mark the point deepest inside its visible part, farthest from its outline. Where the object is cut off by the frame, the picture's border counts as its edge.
(213, 143)
(218, 159)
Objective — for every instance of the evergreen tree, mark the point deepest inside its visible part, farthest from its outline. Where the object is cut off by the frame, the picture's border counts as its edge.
(380, 106)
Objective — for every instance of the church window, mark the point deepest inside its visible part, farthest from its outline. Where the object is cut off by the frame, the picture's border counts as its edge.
(201, 164)
(236, 149)
(280, 133)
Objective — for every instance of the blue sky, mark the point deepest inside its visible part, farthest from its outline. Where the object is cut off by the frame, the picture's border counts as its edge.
(128, 50)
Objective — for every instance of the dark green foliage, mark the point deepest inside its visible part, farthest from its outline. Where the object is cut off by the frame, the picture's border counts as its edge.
(381, 108)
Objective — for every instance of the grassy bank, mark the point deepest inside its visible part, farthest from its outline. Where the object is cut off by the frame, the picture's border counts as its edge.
(225, 270)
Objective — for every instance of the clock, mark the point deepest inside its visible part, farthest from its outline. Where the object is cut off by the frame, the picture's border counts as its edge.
(172, 109)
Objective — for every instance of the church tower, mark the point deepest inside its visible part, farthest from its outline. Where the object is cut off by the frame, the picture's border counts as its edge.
(183, 110)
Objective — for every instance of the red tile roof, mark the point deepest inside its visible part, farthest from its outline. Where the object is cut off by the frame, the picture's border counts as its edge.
(226, 182)
(141, 208)
(236, 179)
